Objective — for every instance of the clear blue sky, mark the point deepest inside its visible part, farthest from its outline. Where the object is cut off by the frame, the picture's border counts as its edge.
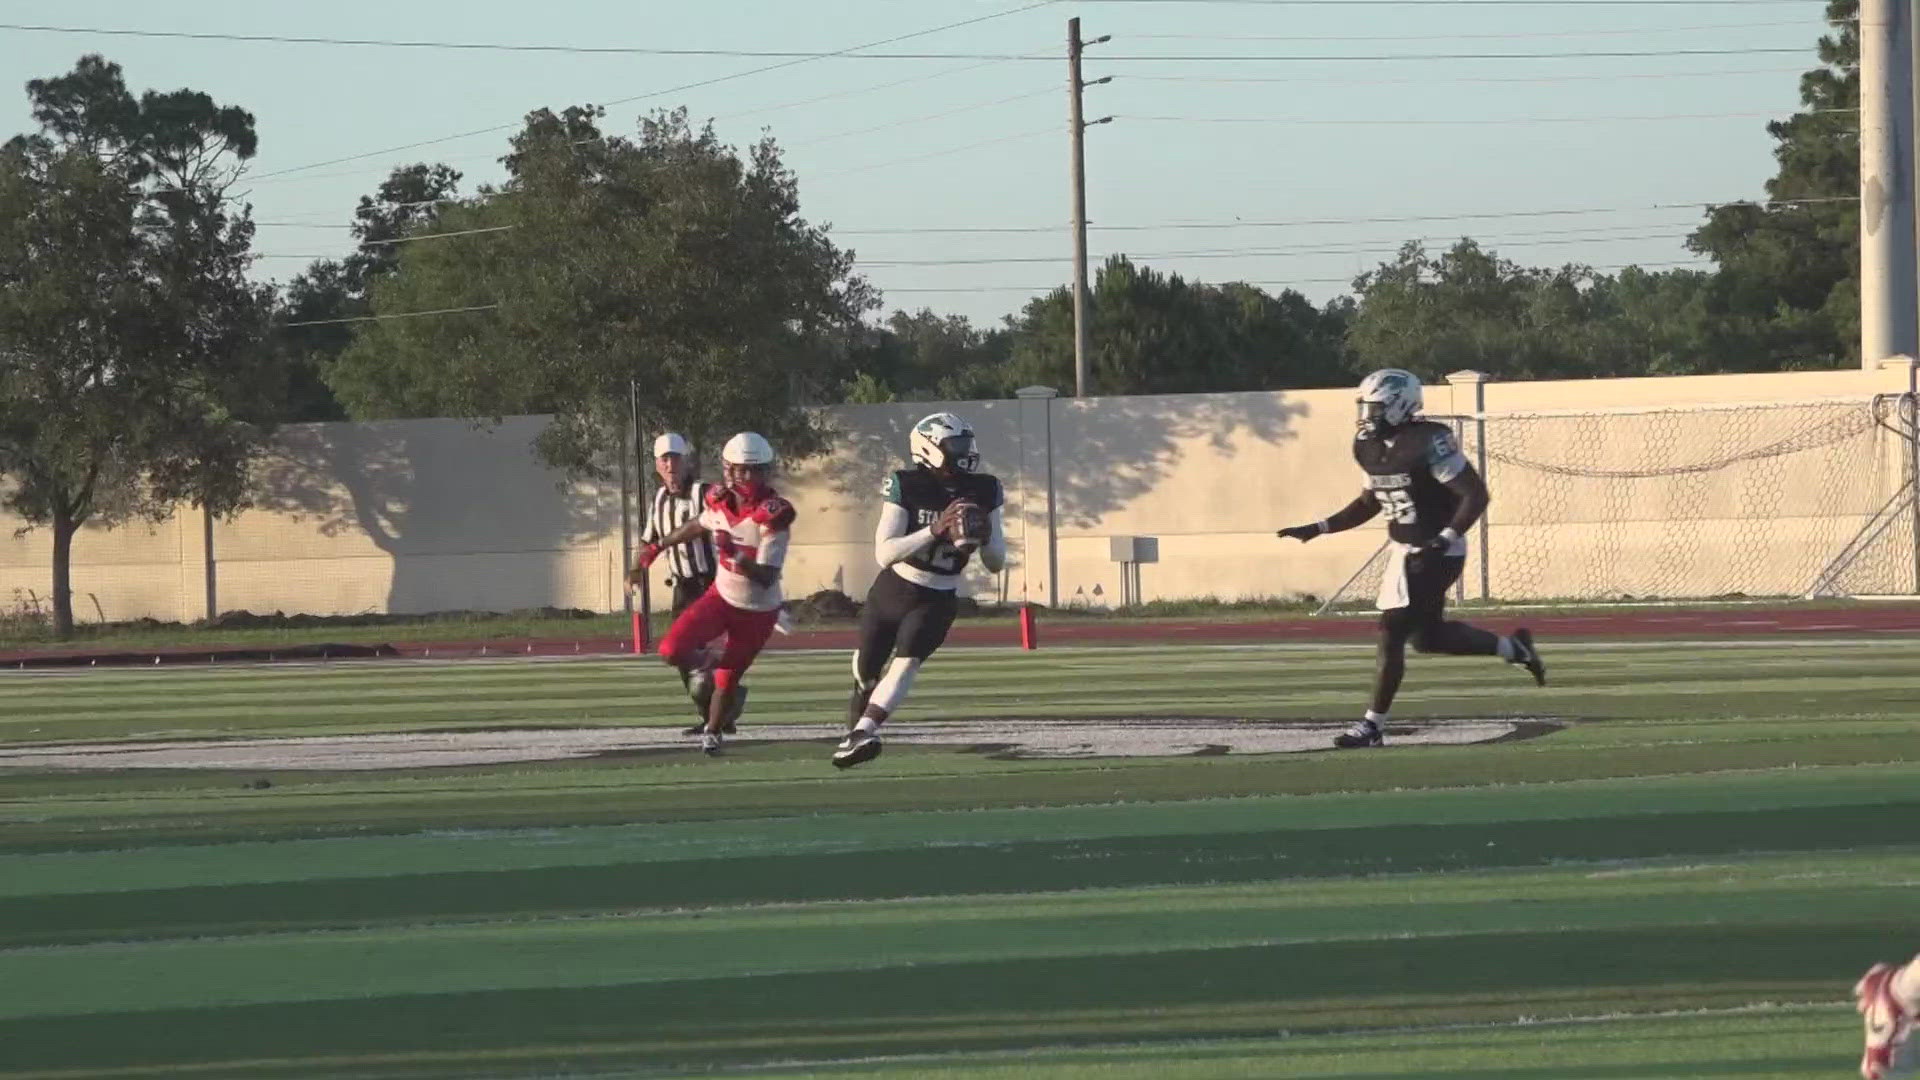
(1327, 144)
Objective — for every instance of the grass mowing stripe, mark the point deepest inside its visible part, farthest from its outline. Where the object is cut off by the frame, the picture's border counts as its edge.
(306, 967)
(699, 791)
(983, 1005)
(1764, 1042)
(27, 875)
(1040, 865)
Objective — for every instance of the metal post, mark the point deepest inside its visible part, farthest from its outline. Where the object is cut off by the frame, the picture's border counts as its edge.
(641, 459)
(1053, 532)
(1043, 397)
(626, 519)
(1480, 449)
(206, 546)
(1478, 379)
(1913, 460)
(1889, 287)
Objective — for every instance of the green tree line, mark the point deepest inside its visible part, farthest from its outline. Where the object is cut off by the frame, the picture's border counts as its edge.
(141, 367)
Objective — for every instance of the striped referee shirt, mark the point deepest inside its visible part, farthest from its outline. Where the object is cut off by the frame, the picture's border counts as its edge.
(693, 559)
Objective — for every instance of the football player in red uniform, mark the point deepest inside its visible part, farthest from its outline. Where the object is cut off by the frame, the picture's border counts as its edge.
(1431, 495)
(1887, 997)
(749, 525)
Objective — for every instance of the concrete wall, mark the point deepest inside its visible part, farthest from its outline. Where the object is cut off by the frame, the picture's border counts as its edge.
(435, 515)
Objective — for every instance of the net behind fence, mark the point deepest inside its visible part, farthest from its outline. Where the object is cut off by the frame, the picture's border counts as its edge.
(1733, 501)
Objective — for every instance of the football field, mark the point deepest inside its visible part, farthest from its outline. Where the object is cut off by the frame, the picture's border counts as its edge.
(1108, 863)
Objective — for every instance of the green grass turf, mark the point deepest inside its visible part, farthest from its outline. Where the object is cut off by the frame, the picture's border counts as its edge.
(29, 635)
(1716, 829)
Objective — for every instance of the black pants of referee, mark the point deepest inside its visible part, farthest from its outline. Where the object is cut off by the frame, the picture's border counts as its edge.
(1423, 624)
(688, 589)
(901, 619)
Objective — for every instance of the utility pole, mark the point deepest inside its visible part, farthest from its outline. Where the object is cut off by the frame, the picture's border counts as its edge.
(1888, 287)
(1078, 129)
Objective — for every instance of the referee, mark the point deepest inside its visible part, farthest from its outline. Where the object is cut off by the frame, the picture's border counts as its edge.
(678, 501)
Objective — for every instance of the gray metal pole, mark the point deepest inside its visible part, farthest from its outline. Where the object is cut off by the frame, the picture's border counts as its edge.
(1913, 463)
(1078, 130)
(643, 503)
(1480, 452)
(626, 518)
(213, 588)
(1889, 287)
(1053, 530)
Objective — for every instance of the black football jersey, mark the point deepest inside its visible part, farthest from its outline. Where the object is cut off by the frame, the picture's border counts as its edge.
(1408, 473)
(925, 496)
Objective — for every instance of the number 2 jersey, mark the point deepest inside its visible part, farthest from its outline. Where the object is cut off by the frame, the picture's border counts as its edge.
(924, 496)
(1408, 474)
(743, 528)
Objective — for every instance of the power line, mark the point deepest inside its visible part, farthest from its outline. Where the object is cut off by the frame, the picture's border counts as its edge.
(1611, 32)
(1353, 121)
(672, 89)
(395, 315)
(859, 90)
(939, 153)
(1595, 233)
(922, 119)
(1468, 3)
(438, 236)
(1334, 80)
(478, 46)
(1261, 284)
(1306, 58)
(1236, 253)
(852, 54)
(1303, 222)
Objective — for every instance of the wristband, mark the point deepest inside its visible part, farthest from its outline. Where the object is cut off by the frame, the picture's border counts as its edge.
(1323, 526)
(1449, 536)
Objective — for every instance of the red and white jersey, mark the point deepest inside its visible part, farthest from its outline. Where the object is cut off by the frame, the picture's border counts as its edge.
(756, 529)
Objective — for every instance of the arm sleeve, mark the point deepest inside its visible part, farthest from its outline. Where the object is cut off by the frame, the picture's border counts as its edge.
(891, 540)
(773, 549)
(1444, 458)
(993, 554)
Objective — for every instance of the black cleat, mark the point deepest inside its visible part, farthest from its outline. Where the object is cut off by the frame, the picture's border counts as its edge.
(857, 748)
(1362, 735)
(1530, 656)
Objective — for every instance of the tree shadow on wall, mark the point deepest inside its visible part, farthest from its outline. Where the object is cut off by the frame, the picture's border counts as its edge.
(1109, 452)
(469, 517)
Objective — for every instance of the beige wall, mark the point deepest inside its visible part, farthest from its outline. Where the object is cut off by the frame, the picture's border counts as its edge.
(439, 515)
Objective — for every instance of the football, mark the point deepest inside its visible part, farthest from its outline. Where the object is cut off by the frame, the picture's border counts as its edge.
(974, 524)
(974, 527)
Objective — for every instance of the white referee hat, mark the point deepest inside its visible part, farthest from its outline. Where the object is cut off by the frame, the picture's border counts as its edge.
(670, 443)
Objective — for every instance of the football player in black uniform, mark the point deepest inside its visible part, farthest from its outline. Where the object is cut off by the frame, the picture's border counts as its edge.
(933, 518)
(1431, 495)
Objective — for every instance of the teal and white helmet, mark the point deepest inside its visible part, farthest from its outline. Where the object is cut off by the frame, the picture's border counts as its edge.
(944, 443)
(1389, 398)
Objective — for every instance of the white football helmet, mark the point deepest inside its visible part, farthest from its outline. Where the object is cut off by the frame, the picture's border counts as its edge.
(943, 442)
(747, 448)
(1389, 398)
